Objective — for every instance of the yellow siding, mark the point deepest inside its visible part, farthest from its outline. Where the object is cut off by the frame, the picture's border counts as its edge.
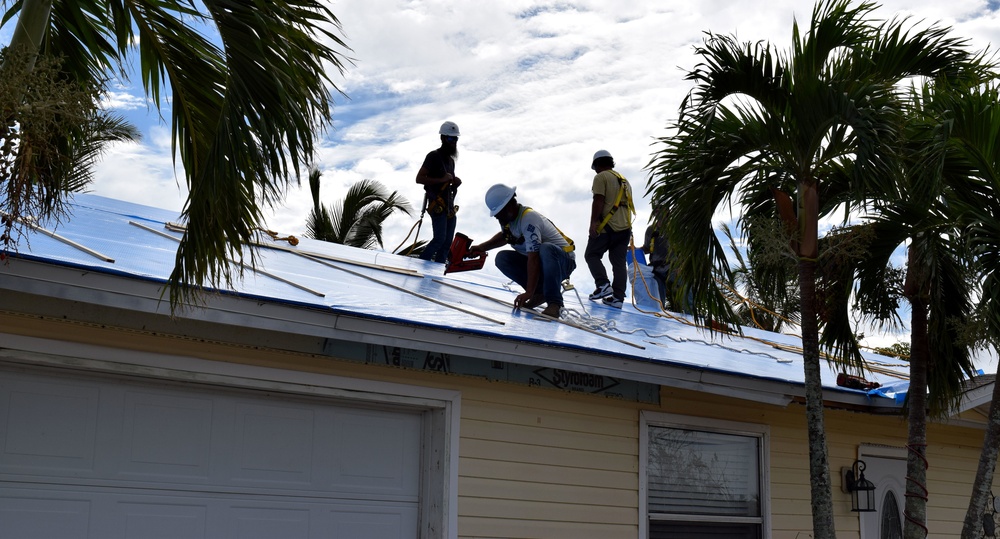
(536, 462)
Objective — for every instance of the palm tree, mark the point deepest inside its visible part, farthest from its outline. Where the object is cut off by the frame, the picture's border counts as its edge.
(937, 286)
(245, 110)
(819, 121)
(356, 220)
(47, 149)
(972, 162)
(939, 283)
(764, 286)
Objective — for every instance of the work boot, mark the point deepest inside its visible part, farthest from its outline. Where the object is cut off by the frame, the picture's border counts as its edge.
(552, 310)
(534, 301)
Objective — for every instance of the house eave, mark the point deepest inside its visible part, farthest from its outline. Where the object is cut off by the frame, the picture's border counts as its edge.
(47, 289)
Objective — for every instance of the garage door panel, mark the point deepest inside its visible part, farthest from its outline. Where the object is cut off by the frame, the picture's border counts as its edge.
(154, 520)
(56, 515)
(115, 458)
(376, 451)
(268, 523)
(166, 436)
(374, 522)
(48, 428)
(274, 445)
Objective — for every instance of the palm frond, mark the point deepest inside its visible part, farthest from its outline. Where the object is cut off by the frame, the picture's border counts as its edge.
(244, 114)
(357, 219)
(53, 133)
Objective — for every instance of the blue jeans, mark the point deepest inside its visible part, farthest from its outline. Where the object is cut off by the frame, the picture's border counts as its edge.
(557, 265)
(444, 232)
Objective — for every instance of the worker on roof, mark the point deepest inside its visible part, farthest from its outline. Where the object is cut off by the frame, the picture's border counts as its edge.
(542, 257)
(611, 216)
(437, 175)
(662, 261)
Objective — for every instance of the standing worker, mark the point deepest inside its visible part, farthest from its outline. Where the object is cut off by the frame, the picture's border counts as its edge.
(610, 230)
(542, 257)
(437, 175)
(662, 261)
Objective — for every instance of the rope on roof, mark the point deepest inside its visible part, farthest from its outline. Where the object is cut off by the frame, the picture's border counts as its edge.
(542, 316)
(880, 368)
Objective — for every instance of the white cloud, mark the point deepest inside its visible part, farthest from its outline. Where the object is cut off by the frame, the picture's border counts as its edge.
(123, 100)
(536, 88)
(142, 173)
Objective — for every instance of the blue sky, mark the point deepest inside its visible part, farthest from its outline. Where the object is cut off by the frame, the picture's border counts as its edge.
(536, 88)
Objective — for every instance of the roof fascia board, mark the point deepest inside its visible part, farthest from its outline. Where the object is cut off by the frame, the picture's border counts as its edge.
(72, 284)
(976, 397)
(660, 373)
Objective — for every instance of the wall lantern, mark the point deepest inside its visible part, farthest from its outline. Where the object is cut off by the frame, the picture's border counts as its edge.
(862, 490)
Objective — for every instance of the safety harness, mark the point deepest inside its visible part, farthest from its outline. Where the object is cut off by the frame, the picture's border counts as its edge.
(623, 192)
(439, 201)
(440, 198)
(508, 236)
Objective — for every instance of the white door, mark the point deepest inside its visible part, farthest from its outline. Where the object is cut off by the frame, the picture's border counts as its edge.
(889, 477)
(116, 458)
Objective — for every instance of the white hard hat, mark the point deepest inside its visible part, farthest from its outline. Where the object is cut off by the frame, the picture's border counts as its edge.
(450, 129)
(497, 197)
(598, 155)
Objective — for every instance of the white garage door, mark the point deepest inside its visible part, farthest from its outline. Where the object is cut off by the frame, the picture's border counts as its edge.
(114, 458)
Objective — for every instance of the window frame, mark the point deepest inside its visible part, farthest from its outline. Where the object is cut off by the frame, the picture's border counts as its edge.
(649, 419)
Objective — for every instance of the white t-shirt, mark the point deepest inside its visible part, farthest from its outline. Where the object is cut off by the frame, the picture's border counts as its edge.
(536, 229)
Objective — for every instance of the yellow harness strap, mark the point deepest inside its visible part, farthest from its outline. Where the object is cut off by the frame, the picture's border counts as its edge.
(622, 192)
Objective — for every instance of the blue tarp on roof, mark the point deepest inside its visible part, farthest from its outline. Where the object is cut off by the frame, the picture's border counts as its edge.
(384, 286)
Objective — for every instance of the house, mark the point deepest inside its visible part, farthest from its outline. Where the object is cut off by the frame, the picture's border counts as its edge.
(347, 393)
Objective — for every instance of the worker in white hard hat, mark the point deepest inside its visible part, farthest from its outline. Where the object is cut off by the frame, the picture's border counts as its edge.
(542, 257)
(611, 215)
(437, 175)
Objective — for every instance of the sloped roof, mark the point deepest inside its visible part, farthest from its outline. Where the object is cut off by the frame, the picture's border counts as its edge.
(382, 297)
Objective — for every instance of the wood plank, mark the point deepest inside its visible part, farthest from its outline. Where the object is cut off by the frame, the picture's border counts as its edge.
(563, 457)
(529, 398)
(547, 492)
(544, 473)
(580, 421)
(543, 437)
(546, 512)
(501, 528)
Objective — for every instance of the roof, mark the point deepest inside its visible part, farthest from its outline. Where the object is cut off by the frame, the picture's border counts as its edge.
(116, 253)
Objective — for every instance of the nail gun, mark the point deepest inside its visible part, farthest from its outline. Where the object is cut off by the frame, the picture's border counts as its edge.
(460, 259)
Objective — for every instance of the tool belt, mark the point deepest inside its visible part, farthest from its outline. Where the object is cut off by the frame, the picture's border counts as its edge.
(440, 202)
(438, 205)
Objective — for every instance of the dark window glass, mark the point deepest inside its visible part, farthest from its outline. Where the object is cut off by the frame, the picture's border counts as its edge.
(890, 524)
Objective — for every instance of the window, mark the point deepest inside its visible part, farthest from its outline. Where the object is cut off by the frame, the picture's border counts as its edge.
(703, 478)
(892, 525)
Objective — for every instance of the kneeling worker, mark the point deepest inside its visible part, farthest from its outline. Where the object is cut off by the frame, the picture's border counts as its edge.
(542, 257)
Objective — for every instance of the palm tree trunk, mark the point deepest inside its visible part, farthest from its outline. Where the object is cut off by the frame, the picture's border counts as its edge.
(981, 486)
(819, 468)
(915, 526)
(29, 32)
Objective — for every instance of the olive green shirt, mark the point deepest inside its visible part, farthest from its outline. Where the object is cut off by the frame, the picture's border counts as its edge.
(607, 184)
